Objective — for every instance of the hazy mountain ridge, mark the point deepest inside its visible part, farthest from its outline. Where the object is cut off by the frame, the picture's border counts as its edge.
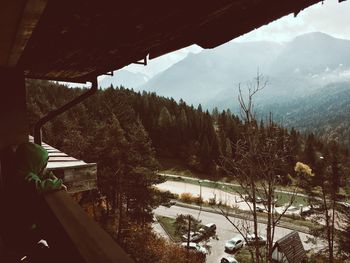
(325, 112)
(200, 78)
(293, 69)
(308, 81)
(124, 78)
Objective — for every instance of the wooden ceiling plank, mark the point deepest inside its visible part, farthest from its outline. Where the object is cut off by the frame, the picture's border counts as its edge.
(30, 17)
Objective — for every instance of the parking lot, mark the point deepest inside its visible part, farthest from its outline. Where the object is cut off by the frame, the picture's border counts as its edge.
(225, 230)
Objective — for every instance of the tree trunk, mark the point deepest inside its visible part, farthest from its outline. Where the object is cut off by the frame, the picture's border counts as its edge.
(269, 236)
(120, 217)
(255, 221)
(328, 226)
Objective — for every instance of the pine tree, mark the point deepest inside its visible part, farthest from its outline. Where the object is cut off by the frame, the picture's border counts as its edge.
(309, 152)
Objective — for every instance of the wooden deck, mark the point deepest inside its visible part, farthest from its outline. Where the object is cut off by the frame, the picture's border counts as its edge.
(77, 175)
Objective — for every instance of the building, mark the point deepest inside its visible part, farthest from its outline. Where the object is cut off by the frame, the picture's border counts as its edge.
(289, 249)
(77, 175)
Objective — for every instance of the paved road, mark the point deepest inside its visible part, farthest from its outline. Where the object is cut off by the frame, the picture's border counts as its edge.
(207, 192)
(347, 204)
(229, 184)
(225, 230)
(230, 199)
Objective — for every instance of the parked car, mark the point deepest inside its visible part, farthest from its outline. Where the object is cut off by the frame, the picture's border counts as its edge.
(194, 236)
(195, 247)
(258, 199)
(208, 229)
(247, 198)
(228, 259)
(251, 240)
(170, 203)
(293, 210)
(306, 211)
(234, 243)
(260, 209)
(274, 201)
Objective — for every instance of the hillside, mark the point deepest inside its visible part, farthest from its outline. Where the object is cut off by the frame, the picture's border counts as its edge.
(146, 126)
(303, 79)
(293, 69)
(206, 77)
(325, 112)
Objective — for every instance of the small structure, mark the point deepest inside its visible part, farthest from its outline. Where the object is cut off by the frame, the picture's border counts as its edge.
(77, 175)
(289, 249)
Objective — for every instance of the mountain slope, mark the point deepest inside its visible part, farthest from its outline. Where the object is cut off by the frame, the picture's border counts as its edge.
(294, 69)
(325, 112)
(200, 77)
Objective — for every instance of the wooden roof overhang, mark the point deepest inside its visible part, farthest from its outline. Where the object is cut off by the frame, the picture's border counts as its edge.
(77, 40)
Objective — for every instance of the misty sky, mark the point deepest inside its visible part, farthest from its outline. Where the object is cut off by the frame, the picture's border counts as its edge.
(330, 17)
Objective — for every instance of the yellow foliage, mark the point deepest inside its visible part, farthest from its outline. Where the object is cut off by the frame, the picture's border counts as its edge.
(187, 197)
(303, 168)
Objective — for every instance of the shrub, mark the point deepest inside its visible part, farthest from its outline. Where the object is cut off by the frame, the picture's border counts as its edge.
(187, 197)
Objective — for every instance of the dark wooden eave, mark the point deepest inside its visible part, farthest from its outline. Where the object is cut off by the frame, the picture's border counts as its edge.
(18, 19)
(76, 40)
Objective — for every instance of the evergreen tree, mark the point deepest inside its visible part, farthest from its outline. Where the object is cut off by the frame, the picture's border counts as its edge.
(309, 152)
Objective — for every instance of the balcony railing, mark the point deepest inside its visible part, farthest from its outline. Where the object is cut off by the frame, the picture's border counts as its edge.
(76, 237)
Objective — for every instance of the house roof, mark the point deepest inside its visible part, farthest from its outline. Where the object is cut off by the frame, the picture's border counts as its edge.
(77, 175)
(60, 160)
(292, 247)
(77, 40)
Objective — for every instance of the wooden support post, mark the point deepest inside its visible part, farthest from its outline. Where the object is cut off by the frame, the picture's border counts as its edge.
(13, 118)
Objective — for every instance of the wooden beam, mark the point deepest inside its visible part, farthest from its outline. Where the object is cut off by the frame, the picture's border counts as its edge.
(10, 14)
(13, 110)
(31, 14)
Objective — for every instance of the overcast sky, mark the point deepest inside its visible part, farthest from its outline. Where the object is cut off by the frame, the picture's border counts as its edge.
(331, 17)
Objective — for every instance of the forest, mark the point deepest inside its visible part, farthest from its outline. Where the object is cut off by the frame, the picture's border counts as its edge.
(166, 129)
(126, 133)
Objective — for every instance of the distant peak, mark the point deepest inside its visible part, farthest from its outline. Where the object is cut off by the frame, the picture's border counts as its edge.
(314, 35)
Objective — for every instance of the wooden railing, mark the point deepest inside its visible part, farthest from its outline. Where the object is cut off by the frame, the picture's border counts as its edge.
(82, 240)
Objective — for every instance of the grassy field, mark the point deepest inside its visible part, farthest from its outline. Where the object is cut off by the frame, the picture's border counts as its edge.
(243, 255)
(169, 225)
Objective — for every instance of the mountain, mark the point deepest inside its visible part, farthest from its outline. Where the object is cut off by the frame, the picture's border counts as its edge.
(308, 63)
(294, 69)
(324, 112)
(308, 81)
(199, 78)
(312, 53)
(124, 78)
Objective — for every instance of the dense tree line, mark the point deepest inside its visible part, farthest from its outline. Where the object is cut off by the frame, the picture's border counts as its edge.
(325, 113)
(104, 129)
(155, 127)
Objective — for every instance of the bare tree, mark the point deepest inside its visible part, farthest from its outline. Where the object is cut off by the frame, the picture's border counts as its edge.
(257, 163)
(324, 186)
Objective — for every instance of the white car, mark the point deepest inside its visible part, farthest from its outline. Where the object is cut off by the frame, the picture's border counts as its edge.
(194, 236)
(208, 228)
(251, 240)
(234, 243)
(228, 259)
(196, 247)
